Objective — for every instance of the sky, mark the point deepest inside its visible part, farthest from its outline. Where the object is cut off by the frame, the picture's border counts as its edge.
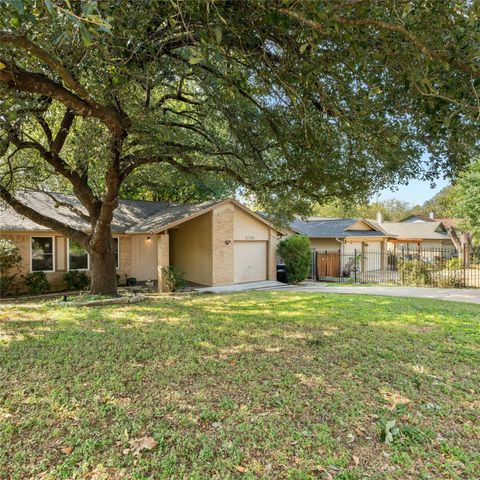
(416, 192)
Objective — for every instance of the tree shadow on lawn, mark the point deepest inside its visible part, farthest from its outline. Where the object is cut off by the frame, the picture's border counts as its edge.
(229, 380)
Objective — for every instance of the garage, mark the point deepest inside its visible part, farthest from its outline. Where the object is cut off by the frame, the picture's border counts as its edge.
(250, 261)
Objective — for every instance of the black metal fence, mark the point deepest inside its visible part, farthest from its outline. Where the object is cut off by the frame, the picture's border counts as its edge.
(419, 267)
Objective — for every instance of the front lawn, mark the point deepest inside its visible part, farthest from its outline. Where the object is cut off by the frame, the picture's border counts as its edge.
(253, 385)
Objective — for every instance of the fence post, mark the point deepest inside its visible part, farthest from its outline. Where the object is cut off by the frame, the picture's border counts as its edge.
(403, 262)
(464, 265)
(355, 266)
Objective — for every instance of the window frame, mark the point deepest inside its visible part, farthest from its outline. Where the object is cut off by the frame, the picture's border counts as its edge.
(52, 237)
(68, 260)
(117, 256)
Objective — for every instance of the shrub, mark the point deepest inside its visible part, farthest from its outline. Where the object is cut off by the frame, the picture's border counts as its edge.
(10, 260)
(37, 283)
(454, 264)
(296, 253)
(415, 272)
(172, 279)
(76, 280)
(451, 279)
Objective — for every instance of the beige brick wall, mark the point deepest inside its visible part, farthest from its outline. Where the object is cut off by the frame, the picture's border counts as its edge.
(272, 254)
(222, 245)
(163, 257)
(23, 240)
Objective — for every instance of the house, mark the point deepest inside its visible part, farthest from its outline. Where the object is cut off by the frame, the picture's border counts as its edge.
(372, 240)
(218, 242)
(446, 222)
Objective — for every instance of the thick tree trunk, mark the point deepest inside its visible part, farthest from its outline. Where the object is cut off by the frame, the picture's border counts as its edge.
(102, 264)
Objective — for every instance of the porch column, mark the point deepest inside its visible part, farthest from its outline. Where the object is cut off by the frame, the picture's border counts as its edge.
(272, 255)
(163, 257)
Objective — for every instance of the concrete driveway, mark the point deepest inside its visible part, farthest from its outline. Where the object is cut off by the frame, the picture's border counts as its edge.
(465, 295)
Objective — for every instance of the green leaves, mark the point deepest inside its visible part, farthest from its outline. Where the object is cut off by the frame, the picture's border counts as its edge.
(217, 32)
(87, 37)
(49, 7)
(391, 430)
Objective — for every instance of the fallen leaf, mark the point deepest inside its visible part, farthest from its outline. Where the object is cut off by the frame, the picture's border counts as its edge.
(240, 469)
(139, 444)
(67, 450)
(355, 459)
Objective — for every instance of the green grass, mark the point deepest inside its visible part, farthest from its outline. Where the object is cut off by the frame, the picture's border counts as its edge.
(252, 385)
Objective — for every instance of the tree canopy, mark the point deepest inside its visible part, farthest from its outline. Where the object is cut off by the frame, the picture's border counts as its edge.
(294, 101)
(467, 200)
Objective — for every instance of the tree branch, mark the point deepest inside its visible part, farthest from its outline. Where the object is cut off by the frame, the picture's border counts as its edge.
(392, 27)
(63, 131)
(20, 41)
(37, 83)
(35, 216)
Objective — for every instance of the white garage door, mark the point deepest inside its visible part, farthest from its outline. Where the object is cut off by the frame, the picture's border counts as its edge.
(250, 262)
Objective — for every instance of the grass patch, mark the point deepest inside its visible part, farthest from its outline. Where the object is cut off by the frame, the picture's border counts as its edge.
(250, 385)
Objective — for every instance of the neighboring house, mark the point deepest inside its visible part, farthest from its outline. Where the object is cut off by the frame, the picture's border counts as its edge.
(213, 243)
(350, 237)
(446, 222)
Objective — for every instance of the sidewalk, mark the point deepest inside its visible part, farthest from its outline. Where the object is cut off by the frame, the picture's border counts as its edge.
(465, 295)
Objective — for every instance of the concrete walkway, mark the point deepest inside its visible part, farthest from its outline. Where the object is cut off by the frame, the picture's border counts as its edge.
(451, 294)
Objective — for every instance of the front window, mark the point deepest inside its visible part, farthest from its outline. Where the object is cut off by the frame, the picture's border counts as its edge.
(42, 254)
(116, 251)
(77, 256)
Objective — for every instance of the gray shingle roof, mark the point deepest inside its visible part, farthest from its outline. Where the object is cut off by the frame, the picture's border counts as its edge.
(337, 228)
(331, 228)
(421, 230)
(167, 216)
(126, 215)
(131, 216)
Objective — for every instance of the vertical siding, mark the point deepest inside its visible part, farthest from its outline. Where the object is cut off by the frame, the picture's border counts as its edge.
(247, 227)
(144, 262)
(191, 249)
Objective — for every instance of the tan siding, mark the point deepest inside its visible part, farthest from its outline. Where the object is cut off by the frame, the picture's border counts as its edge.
(61, 253)
(325, 244)
(222, 245)
(360, 225)
(247, 227)
(125, 249)
(143, 257)
(191, 249)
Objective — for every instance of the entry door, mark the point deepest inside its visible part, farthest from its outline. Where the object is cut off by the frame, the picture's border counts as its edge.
(250, 262)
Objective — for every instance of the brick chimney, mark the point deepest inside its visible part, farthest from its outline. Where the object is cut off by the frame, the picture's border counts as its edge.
(379, 217)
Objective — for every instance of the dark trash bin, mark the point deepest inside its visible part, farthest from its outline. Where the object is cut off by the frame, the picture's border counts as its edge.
(281, 274)
(131, 282)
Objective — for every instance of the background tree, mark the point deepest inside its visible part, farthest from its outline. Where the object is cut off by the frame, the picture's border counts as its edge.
(442, 204)
(393, 210)
(467, 200)
(295, 101)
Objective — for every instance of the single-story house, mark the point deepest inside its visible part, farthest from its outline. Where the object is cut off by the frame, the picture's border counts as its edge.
(372, 240)
(217, 242)
(446, 222)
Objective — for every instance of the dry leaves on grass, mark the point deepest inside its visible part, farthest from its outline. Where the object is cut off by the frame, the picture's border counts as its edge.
(139, 444)
(67, 450)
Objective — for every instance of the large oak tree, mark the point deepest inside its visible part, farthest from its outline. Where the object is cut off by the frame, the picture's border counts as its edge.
(295, 101)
